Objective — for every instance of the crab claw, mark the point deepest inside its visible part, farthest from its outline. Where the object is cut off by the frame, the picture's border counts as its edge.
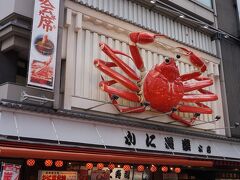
(195, 60)
(143, 37)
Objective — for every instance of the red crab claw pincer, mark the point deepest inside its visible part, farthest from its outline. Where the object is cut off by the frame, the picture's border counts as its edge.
(195, 60)
(141, 38)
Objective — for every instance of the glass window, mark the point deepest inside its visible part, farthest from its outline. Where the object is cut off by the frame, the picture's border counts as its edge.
(207, 3)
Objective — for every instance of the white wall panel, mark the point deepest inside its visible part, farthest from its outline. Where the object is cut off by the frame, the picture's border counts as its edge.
(152, 21)
(130, 10)
(148, 19)
(111, 6)
(125, 10)
(156, 18)
(100, 4)
(161, 23)
(139, 15)
(105, 6)
(116, 8)
(164, 24)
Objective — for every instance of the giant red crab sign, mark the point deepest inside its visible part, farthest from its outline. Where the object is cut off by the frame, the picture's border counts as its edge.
(162, 88)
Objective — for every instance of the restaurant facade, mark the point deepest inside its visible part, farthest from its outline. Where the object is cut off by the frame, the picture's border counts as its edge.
(73, 111)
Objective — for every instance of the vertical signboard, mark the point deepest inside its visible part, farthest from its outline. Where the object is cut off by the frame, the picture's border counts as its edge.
(41, 71)
(10, 171)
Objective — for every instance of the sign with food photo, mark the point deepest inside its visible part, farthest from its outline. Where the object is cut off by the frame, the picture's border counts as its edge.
(10, 171)
(41, 72)
(61, 175)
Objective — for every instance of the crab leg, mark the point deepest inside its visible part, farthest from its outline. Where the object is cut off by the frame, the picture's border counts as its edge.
(195, 98)
(201, 109)
(137, 109)
(193, 109)
(112, 54)
(196, 61)
(142, 38)
(105, 68)
(201, 83)
(106, 86)
(114, 93)
(176, 117)
(193, 75)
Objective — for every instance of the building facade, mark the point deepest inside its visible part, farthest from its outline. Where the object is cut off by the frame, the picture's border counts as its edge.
(74, 131)
(230, 50)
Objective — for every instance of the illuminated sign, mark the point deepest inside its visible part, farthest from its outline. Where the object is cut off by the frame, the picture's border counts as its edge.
(57, 175)
(10, 171)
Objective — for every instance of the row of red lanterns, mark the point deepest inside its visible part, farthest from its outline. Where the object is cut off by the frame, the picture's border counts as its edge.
(140, 168)
(47, 163)
(100, 166)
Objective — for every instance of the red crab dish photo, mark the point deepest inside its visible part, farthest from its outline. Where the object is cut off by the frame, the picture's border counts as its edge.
(162, 88)
(42, 72)
(43, 45)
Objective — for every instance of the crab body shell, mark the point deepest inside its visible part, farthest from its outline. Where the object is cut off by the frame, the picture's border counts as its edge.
(161, 94)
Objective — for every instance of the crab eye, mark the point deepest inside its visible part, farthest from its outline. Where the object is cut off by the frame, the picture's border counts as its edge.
(167, 61)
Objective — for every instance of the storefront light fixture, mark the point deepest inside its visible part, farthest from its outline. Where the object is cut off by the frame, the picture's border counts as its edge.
(100, 166)
(164, 169)
(171, 168)
(89, 166)
(140, 168)
(30, 162)
(226, 36)
(177, 170)
(153, 168)
(153, 1)
(182, 16)
(126, 167)
(48, 163)
(58, 163)
(236, 125)
(205, 26)
(111, 166)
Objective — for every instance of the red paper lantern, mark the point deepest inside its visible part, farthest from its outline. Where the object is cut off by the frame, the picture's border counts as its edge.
(140, 168)
(89, 166)
(59, 163)
(177, 170)
(48, 162)
(126, 168)
(164, 169)
(30, 162)
(111, 166)
(153, 168)
(100, 166)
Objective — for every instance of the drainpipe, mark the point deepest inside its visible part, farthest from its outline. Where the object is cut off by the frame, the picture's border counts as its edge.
(56, 104)
(222, 80)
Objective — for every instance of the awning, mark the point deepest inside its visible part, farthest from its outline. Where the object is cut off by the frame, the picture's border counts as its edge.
(80, 132)
(99, 156)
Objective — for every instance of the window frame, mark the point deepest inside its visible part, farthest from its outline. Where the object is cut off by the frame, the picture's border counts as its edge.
(203, 5)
